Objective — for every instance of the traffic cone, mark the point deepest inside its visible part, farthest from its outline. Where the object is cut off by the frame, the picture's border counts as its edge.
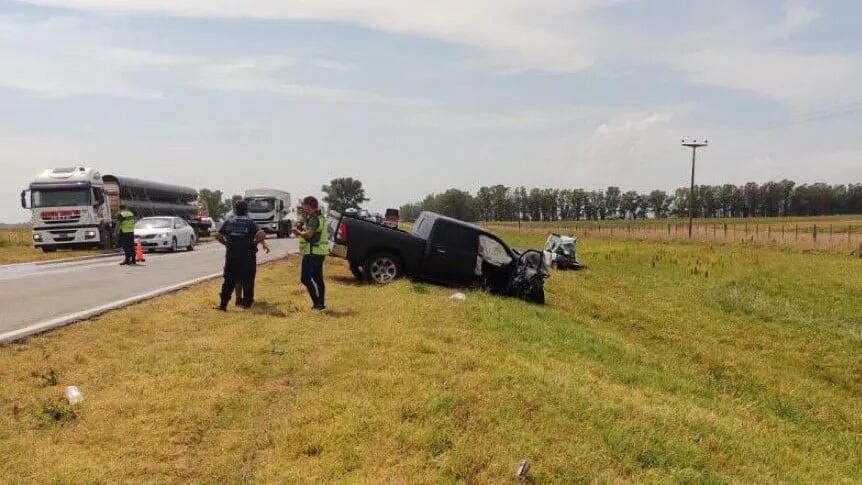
(139, 251)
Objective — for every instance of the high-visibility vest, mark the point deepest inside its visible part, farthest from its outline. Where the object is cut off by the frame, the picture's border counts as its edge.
(127, 221)
(319, 245)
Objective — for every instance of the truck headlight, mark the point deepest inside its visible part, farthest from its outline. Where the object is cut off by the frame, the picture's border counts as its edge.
(89, 234)
(37, 237)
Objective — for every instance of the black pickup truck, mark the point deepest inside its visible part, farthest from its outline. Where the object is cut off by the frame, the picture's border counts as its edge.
(441, 250)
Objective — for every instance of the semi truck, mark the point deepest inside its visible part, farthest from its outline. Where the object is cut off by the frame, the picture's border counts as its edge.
(77, 207)
(270, 209)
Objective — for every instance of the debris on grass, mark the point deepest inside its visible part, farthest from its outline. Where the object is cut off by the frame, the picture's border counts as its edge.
(73, 395)
(458, 296)
(523, 469)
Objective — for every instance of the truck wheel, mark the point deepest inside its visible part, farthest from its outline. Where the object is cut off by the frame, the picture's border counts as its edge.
(382, 268)
(357, 271)
(49, 249)
(105, 238)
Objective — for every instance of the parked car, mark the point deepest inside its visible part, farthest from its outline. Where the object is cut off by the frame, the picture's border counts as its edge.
(441, 250)
(165, 233)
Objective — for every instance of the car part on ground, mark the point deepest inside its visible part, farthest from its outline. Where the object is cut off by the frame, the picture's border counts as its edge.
(561, 252)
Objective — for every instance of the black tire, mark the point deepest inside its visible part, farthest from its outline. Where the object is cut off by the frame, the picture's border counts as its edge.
(357, 271)
(191, 246)
(382, 268)
(105, 238)
(173, 247)
(49, 249)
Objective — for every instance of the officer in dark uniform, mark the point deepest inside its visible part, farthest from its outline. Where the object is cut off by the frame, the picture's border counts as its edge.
(240, 235)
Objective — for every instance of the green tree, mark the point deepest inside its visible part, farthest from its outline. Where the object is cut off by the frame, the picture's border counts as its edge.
(344, 193)
(214, 203)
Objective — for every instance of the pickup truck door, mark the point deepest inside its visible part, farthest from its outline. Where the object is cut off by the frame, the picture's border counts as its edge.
(451, 254)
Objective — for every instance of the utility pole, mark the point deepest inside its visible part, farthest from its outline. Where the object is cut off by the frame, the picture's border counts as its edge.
(694, 145)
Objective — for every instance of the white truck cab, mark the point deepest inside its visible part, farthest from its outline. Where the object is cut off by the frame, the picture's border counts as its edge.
(69, 209)
(270, 209)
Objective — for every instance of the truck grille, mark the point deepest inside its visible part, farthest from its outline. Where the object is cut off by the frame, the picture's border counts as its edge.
(63, 236)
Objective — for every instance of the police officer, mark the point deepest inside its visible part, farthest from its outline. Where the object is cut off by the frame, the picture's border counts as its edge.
(240, 235)
(314, 246)
(126, 237)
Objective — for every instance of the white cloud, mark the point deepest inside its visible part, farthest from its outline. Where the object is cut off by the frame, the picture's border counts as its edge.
(61, 58)
(798, 16)
(269, 74)
(543, 34)
(464, 121)
(333, 65)
(796, 79)
(630, 127)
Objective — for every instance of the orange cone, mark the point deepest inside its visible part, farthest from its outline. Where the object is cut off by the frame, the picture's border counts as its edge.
(139, 251)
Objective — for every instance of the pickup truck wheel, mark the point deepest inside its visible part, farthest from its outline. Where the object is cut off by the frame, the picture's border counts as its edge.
(382, 268)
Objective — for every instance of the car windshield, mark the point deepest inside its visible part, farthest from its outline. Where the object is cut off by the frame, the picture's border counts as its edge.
(60, 197)
(153, 224)
(260, 205)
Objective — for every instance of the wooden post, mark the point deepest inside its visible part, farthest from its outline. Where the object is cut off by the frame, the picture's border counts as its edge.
(797, 232)
(768, 232)
(782, 232)
(848, 233)
(725, 230)
(815, 233)
(668, 229)
(830, 232)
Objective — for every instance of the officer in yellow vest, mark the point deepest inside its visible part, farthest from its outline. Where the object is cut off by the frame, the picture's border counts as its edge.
(126, 237)
(314, 246)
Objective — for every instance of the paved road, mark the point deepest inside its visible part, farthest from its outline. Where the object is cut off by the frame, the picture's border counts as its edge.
(35, 294)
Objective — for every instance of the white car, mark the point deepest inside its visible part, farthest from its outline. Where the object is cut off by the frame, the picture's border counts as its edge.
(165, 233)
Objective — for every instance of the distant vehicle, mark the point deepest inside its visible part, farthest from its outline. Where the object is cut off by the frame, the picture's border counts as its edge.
(165, 233)
(77, 207)
(442, 250)
(561, 252)
(391, 218)
(270, 209)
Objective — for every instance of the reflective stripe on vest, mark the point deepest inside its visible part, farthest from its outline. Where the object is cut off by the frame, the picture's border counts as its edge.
(321, 246)
(127, 221)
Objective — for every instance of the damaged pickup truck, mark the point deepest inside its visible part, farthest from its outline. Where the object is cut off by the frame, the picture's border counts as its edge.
(441, 250)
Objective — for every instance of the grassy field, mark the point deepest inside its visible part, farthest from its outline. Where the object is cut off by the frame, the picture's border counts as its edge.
(836, 234)
(661, 362)
(17, 247)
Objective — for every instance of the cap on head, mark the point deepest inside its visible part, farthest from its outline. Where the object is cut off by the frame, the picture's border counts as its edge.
(240, 208)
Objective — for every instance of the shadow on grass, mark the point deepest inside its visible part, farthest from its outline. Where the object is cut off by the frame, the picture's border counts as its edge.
(347, 280)
(267, 308)
(340, 313)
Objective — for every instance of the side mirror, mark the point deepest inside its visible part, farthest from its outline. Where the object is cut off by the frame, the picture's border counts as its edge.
(24, 197)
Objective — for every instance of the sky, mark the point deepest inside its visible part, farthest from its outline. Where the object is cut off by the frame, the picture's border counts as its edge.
(413, 97)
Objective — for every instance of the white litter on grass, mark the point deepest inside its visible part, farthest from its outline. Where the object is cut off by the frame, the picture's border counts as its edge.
(73, 395)
(458, 296)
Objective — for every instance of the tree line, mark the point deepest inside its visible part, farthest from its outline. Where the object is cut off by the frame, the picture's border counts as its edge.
(770, 199)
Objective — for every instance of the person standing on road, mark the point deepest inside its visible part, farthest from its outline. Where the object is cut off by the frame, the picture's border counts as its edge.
(126, 237)
(314, 246)
(240, 235)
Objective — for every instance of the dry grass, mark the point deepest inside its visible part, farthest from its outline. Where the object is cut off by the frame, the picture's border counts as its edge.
(661, 362)
(17, 247)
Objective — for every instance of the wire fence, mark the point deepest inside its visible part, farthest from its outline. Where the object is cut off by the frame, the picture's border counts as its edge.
(832, 236)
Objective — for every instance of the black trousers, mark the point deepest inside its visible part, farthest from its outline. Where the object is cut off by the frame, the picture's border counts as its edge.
(126, 240)
(238, 271)
(312, 278)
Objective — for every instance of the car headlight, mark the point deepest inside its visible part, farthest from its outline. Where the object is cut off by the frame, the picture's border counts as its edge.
(163, 235)
(89, 234)
(37, 237)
